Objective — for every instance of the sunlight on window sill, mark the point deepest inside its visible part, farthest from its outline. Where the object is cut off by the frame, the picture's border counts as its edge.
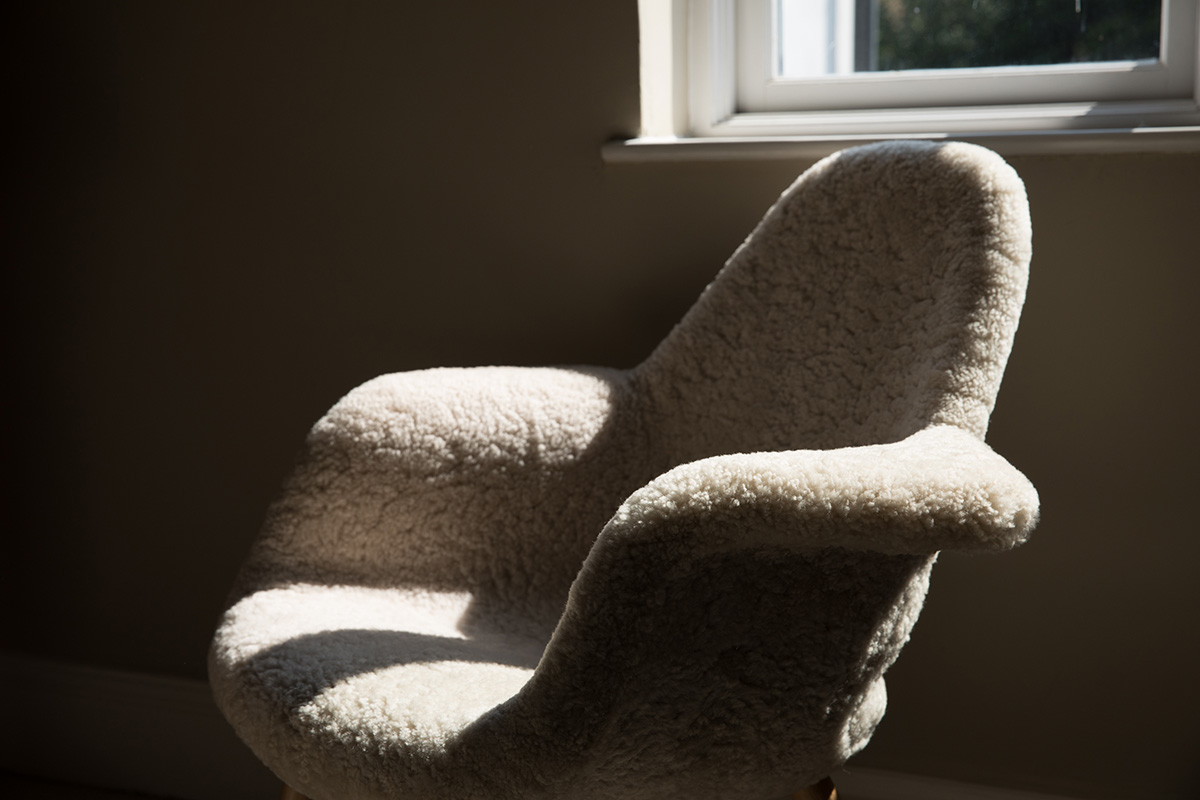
(1008, 143)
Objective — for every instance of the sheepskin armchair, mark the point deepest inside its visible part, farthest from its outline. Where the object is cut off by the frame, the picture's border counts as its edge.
(683, 579)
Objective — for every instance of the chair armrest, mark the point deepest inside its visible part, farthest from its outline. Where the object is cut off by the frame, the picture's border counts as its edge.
(736, 614)
(941, 488)
(422, 477)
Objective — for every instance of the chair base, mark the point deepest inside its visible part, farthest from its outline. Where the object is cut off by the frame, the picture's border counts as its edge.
(825, 790)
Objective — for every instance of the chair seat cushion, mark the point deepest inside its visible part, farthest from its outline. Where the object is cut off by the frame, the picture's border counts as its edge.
(367, 671)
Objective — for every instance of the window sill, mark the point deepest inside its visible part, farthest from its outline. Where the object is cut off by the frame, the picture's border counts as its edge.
(1181, 139)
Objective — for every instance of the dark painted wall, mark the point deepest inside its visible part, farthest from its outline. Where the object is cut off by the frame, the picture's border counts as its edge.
(221, 216)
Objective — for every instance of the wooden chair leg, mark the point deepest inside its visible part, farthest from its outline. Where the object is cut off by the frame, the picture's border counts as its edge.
(825, 790)
(289, 793)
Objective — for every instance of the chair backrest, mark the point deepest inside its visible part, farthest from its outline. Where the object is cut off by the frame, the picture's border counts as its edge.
(878, 296)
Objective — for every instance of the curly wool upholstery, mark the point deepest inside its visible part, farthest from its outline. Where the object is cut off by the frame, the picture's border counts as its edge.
(685, 578)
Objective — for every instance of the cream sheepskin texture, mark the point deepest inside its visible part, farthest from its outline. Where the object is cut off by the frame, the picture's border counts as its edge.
(682, 580)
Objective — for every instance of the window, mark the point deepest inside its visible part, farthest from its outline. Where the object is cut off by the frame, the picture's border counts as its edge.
(814, 38)
(1018, 75)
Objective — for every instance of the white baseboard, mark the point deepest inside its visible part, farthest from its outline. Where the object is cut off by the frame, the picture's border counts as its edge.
(165, 737)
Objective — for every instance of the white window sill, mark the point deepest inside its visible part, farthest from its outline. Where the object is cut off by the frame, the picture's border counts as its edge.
(1007, 143)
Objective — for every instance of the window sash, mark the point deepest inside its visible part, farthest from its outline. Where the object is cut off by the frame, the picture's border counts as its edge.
(733, 90)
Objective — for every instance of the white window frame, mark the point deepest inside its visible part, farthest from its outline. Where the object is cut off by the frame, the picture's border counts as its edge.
(708, 83)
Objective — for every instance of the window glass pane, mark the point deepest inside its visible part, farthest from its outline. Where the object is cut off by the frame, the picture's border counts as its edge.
(829, 37)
